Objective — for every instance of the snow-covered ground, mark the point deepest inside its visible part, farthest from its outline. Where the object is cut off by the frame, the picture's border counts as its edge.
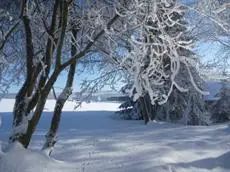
(92, 139)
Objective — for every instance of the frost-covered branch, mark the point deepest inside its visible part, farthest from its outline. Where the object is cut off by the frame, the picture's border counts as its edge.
(158, 47)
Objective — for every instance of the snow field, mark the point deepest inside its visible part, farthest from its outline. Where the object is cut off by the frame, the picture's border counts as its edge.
(93, 140)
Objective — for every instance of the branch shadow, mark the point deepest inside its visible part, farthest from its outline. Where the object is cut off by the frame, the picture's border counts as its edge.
(209, 163)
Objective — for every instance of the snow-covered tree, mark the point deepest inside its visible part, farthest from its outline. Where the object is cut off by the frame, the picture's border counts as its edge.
(50, 47)
(221, 108)
(212, 29)
(142, 109)
(47, 29)
(158, 48)
(162, 65)
(216, 11)
(146, 39)
(183, 107)
(129, 110)
(218, 14)
(9, 55)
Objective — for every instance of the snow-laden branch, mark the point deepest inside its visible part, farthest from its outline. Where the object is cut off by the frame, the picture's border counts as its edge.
(157, 48)
(215, 11)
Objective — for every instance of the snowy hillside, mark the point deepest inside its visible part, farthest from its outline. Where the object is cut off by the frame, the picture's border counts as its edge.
(93, 139)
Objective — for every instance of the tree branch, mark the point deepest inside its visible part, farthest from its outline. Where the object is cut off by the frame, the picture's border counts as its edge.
(90, 44)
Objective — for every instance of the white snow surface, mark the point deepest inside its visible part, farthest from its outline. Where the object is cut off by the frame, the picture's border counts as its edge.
(93, 139)
(6, 105)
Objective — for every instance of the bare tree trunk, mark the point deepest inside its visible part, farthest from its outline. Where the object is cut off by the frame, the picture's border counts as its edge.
(148, 107)
(144, 113)
(67, 91)
(24, 105)
(155, 109)
(22, 98)
(26, 137)
(61, 100)
(30, 97)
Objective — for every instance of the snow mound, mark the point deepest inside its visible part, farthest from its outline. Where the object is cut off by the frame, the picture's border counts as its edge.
(18, 159)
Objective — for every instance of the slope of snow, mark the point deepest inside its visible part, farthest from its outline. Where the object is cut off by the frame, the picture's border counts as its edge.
(18, 159)
(92, 140)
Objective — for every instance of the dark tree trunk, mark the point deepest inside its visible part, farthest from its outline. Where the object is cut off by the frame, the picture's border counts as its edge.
(32, 124)
(61, 100)
(23, 105)
(21, 102)
(144, 112)
(30, 97)
(25, 139)
(148, 107)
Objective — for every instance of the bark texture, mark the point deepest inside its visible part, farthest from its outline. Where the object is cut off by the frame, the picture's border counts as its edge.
(61, 100)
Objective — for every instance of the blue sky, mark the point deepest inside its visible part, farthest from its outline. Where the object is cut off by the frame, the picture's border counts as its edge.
(207, 51)
(59, 85)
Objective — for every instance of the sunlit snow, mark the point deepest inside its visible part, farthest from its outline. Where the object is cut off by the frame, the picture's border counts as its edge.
(93, 139)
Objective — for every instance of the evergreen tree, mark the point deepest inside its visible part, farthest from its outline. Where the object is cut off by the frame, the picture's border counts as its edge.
(221, 108)
(172, 84)
(129, 110)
